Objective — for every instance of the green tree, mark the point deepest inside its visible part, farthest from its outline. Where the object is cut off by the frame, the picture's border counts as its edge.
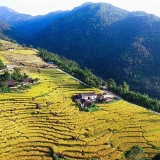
(13, 41)
(104, 83)
(120, 90)
(16, 75)
(156, 157)
(55, 157)
(4, 88)
(125, 87)
(134, 153)
(25, 75)
(111, 84)
(6, 76)
(2, 64)
(24, 45)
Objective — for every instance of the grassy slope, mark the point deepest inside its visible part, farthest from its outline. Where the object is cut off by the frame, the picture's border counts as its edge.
(30, 133)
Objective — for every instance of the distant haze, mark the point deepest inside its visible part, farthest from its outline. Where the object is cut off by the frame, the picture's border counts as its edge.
(41, 7)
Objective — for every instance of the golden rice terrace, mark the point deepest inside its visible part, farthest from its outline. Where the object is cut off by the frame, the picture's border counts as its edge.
(43, 121)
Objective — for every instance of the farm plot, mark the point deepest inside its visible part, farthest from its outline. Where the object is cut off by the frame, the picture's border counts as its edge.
(43, 121)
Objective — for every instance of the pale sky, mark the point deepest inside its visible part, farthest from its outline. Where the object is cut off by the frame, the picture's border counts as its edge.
(41, 7)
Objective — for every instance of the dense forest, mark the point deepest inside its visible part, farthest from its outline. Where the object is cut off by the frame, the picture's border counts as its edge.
(3, 27)
(90, 79)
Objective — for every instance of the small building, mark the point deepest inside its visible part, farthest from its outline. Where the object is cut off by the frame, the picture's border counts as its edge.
(26, 81)
(11, 49)
(49, 62)
(88, 96)
(49, 66)
(103, 88)
(9, 67)
(11, 83)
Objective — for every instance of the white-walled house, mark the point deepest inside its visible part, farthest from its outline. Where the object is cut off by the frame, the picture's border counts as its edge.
(10, 67)
(88, 96)
(11, 49)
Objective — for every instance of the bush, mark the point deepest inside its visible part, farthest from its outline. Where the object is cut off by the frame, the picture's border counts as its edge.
(4, 88)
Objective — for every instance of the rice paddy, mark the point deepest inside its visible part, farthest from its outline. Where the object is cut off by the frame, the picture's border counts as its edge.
(43, 121)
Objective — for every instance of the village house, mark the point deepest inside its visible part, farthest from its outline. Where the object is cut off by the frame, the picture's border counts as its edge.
(49, 66)
(49, 62)
(103, 88)
(10, 84)
(10, 67)
(88, 96)
(11, 49)
(85, 99)
(26, 81)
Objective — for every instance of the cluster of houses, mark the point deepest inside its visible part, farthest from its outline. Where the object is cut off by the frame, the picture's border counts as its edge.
(85, 99)
(14, 83)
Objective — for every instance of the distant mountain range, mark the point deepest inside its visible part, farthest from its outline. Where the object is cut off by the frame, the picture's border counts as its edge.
(113, 42)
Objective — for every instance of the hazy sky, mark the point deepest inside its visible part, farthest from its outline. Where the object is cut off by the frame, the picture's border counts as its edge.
(41, 7)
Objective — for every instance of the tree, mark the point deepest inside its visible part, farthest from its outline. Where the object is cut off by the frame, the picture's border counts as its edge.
(134, 153)
(120, 90)
(156, 157)
(125, 87)
(13, 41)
(25, 75)
(24, 45)
(7, 76)
(1, 64)
(4, 88)
(111, 84)
(16, 75)
(104, 83)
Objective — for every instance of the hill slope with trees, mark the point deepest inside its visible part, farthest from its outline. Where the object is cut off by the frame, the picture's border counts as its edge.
(114, 43)
(3, 28)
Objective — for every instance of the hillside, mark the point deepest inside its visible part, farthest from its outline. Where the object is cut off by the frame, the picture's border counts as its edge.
(12, 17)
(112, 42)
(3, 28)
(24, 25)
(57, 127)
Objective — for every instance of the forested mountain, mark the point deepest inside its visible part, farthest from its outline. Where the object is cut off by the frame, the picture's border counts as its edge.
(12, 17)
(24, 25)
(3, 27)
(114, 43)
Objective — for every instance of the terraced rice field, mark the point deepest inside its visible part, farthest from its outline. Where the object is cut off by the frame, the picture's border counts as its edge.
(42, 120)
